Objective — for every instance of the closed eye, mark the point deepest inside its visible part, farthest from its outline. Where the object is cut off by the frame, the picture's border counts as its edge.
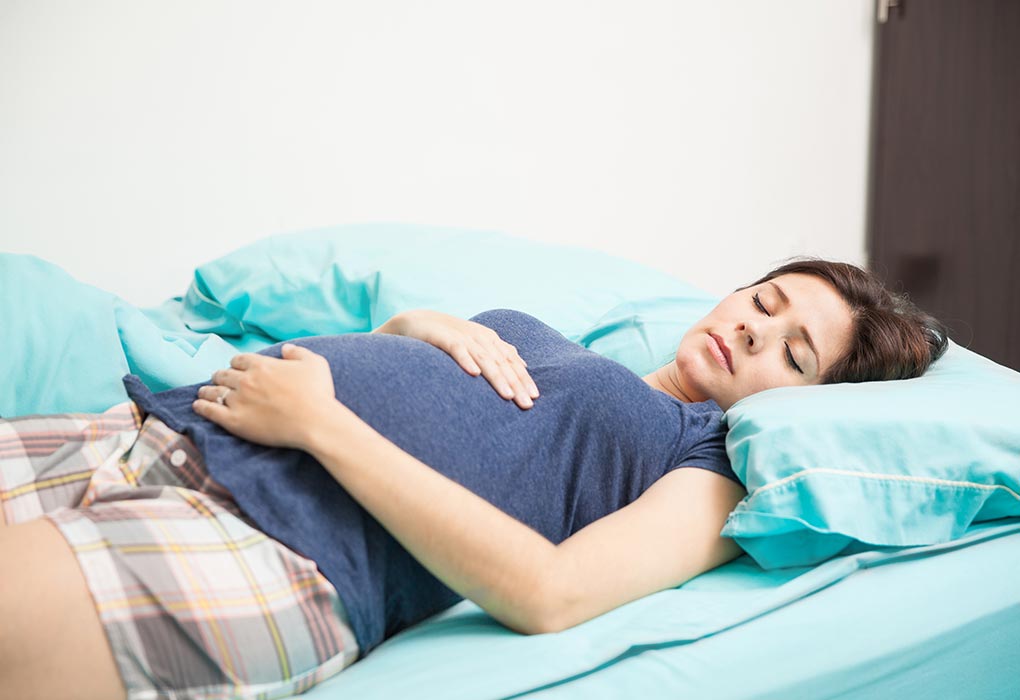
(789, 353)
(793, 362)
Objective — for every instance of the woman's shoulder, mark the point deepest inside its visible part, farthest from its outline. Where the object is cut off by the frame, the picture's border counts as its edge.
(703, 424)
(708, 408)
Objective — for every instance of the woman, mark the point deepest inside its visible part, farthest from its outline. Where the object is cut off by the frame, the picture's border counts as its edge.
(317, 497)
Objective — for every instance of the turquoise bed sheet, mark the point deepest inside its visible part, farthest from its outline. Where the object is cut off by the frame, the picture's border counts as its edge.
(935, 621)
(941, 621)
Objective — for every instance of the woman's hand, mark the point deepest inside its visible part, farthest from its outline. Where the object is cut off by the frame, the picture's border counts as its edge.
(476, 348)
(275, 402)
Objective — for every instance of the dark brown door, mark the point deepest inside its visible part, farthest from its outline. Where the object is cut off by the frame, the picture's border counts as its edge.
(944, 220)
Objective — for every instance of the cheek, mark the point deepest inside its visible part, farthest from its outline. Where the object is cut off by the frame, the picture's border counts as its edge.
(692, 373)
(771, 377)
(686, 362)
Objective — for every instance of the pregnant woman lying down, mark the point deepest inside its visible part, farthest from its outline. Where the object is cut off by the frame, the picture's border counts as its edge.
(263, 531)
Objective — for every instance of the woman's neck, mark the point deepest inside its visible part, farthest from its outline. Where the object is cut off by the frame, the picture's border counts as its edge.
(664, 379)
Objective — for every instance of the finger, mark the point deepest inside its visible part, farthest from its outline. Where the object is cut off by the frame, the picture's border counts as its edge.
(296, 352)
(491, 370)
(516, 375)
(511, 367)
(464, 359)
(212, 411)
(518, 365)
(210, 392)
(527, 383)
(227, 377)
(244, 360)
(507, 361)
(215, 394)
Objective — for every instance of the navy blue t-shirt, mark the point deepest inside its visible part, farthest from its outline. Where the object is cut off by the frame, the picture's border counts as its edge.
(595, 439)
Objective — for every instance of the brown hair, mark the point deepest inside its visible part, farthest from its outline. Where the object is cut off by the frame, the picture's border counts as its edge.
(890, 339)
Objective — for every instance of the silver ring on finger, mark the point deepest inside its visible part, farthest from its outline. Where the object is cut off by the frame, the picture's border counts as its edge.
(222, 398)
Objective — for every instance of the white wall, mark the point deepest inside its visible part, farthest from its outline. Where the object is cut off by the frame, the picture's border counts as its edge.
(139, 139)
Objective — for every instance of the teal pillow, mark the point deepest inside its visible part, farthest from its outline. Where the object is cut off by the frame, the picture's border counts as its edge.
(643, 334)
(61, 349)
(66, 344)
(353, 278)
(898, 463)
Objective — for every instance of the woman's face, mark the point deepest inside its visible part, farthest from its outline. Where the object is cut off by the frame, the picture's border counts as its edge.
(784, 332)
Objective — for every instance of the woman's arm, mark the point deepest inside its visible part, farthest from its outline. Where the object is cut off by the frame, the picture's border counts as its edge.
(669, 535)
(665, 537)
(473, 547)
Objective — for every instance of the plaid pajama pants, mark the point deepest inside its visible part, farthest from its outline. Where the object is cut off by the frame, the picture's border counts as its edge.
(195, 601)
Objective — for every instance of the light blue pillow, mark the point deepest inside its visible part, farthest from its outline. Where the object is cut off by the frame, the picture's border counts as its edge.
(643, 334)
(66, 344)
(353, 278)
(898, 463)
(60, 342)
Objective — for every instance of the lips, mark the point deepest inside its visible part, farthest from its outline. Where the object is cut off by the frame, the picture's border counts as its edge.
(717, 346)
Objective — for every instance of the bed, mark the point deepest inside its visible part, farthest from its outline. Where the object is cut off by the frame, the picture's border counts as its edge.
(819, 607)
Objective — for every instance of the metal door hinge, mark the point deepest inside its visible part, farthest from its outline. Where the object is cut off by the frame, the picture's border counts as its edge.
(883, 9)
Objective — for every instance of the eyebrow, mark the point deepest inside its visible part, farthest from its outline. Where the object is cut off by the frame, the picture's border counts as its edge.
(807, 336)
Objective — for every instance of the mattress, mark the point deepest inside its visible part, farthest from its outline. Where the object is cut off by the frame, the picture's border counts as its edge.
(934, 621)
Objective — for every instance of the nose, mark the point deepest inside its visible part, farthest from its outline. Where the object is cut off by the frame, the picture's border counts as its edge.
(752, 334)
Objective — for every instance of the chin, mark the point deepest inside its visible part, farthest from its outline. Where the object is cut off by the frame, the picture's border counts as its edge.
(689, 369)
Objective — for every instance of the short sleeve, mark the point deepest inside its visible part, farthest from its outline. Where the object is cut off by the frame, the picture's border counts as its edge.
(703, 442)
